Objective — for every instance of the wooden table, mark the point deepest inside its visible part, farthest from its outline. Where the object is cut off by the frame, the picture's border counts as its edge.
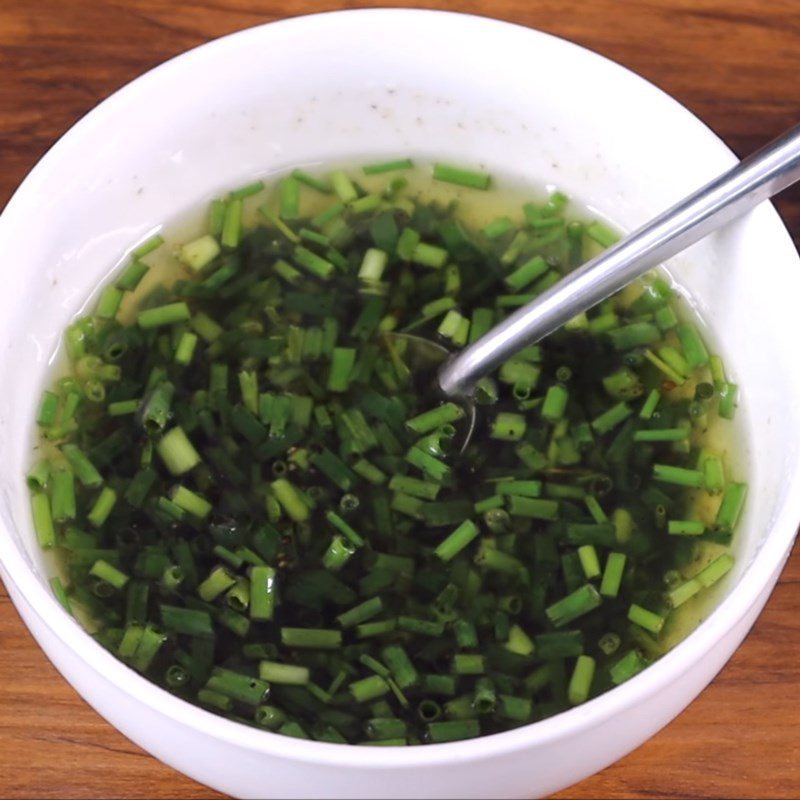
(733, 62)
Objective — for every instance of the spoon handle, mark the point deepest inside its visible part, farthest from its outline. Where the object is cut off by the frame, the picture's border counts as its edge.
(758, 177)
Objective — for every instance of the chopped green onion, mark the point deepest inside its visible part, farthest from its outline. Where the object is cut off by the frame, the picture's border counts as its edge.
(580, 683)
(580, 602)
(461, 177)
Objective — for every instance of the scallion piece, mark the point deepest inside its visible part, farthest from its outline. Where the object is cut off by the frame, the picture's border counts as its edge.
(580, 684)
(291, 502)
(580, 602)
(187, 621)
(168, 314)
(457, 540)
(102, 507)
(612, 574)
(43, 520)
(369, 688)
(731, 507)
(148, 246)
(628, 666)
(361, 613)
(108, 573)
(680, 476)
(453, 730)
(387, 166)
(685, 527)
(288, 674)
(83, 468)
(177, 452)
(646, 619)
(461, 177)
(132, 276)
(435, 418)
(263, 591)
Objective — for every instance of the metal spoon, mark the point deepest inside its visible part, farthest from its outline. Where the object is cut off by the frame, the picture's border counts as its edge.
(760, 176)
(757, 178)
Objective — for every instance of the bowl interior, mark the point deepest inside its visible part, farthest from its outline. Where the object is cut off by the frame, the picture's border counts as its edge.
(229, 111)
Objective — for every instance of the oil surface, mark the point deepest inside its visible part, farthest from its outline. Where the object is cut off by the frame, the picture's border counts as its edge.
(474, 209)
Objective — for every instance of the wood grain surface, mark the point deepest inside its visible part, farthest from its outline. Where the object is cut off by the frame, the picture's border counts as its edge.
(735, 63)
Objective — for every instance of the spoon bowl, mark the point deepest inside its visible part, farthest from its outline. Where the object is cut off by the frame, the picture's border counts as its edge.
(424, 359)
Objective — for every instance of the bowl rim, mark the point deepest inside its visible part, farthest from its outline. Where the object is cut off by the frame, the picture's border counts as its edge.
(17, 572)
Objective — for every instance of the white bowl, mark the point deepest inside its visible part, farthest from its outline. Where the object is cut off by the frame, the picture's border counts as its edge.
(364, 84)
